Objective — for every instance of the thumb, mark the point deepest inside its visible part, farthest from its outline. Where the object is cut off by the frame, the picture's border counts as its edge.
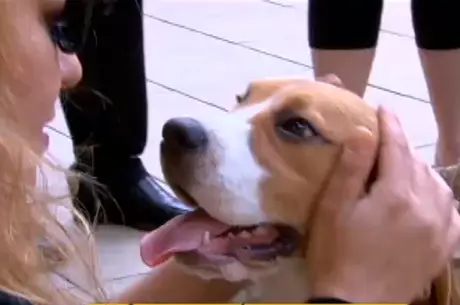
(349, 175)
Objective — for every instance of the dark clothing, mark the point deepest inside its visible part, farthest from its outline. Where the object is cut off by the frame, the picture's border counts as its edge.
(352, 25)
(109, 107)
(107, 119)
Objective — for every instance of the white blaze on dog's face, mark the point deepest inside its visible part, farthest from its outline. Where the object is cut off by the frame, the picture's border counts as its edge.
(267, 161)
(221, 172)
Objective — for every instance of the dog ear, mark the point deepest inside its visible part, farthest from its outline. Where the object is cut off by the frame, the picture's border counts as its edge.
(331, 79)
(444, 289)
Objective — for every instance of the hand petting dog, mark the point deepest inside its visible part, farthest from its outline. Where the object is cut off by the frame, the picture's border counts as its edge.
(389, 245)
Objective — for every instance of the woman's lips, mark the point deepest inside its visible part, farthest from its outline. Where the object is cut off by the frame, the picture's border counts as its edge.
(45, 141)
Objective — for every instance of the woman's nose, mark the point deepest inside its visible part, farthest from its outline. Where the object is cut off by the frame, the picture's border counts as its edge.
(71, 71)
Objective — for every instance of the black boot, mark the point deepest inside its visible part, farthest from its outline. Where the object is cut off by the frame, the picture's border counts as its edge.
(107, 119)
(125, 195)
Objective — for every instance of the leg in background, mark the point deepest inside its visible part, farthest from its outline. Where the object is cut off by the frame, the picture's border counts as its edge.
(437, 32)
(343, 36)
(107, 119)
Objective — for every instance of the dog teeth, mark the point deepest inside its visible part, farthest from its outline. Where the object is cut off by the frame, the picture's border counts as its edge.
(245, 234)
(260, 231)
(206, 238)
(231, 235)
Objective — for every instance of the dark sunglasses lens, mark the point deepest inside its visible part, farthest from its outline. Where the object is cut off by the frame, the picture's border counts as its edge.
(64, 39)
(70, 30)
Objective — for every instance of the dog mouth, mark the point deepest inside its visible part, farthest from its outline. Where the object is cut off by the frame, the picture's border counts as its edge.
(199, 233)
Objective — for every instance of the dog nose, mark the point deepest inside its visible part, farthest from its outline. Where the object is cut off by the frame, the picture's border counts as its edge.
(186, 133)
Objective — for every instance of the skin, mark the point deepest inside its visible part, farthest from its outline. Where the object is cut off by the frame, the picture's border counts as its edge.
(38, 96)
(408, 220)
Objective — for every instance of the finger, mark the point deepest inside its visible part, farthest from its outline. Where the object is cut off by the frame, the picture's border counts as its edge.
(453, 234)
(395, 151)
(444, 183)
(350, 173)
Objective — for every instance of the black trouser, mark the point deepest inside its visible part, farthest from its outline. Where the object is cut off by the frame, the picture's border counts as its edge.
(108, 110)
(348, 25)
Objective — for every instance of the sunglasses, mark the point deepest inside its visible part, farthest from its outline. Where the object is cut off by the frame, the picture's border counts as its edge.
(70, 30)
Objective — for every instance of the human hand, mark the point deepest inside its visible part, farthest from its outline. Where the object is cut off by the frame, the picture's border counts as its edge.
(389, 245)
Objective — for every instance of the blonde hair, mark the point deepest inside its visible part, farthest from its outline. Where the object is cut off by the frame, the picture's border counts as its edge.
(33, 243)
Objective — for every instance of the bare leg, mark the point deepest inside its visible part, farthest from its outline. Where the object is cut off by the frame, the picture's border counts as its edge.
(351, 66)
(442, 73)
(342, 45)
(437, 33)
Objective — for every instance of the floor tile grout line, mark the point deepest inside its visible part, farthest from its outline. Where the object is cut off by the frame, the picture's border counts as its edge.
(414, 98)
(397, 34)
(112, 280)
(57, 131)
(186, 94)
(383, 30)
(124, 277)
(275, 3)
(424, 145)
(244, 46)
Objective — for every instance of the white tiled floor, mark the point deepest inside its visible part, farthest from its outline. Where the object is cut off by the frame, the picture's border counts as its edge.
(201, 53)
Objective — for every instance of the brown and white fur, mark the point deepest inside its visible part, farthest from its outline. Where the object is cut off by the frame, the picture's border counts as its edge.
(252, 173)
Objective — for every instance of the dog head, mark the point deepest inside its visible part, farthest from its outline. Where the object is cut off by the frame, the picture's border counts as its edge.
(254, 174)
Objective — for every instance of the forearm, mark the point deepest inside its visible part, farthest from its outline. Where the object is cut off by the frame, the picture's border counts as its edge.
(169, 284)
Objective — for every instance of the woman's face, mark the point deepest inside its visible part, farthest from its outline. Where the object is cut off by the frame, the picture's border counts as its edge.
(40, 69)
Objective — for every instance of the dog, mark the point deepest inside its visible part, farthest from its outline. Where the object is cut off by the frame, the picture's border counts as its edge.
(254, 175)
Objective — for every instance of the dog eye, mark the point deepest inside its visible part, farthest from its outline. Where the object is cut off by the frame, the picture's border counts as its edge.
(241, 98)
(296, 128)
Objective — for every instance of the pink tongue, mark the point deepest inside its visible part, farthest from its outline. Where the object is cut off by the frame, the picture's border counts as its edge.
(181, 234)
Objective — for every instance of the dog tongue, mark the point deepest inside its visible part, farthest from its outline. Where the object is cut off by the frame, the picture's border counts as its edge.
(181, 234)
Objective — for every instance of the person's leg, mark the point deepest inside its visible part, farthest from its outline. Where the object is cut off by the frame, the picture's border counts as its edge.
(107, 119)
(437, 32)
(343, 36)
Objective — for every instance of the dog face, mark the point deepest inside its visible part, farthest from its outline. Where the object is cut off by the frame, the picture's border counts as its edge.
(256, 171)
